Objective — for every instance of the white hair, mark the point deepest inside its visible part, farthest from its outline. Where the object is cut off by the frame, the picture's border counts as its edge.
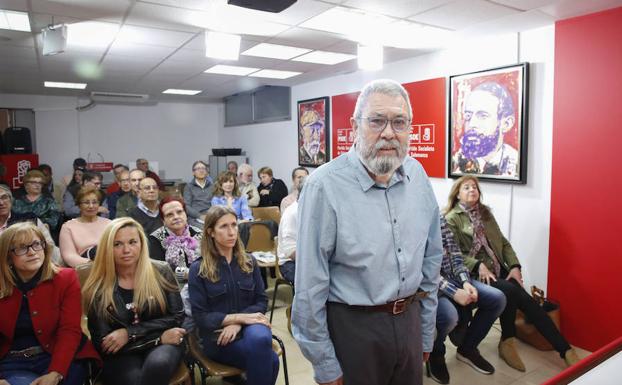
(381, 86)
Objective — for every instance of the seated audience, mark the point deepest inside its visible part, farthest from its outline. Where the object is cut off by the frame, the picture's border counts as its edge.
(116, 170)
(288, 234)
(129, 201)
(198, 192)
(34, 201)
(134, 309)
(147, 211)
(41, 341)
(247, 187)
(271, 190)
(78, 163)
(227, 193)
(143, 165)
(89, 179)
(491, 259)
(75, 183)
(232, 166)
(297, 175)
(125, 187)
(79, 235)
(457, 295)
(229, 301)
(56, 190)
(176, 242)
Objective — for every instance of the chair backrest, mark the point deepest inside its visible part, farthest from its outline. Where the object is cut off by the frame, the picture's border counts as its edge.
(271, 213)
(260, 238)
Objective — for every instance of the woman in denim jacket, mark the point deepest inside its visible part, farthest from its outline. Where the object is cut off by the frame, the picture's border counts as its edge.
(228, 301)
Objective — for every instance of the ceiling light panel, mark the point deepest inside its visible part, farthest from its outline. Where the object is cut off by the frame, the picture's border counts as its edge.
(91, 34)
(75, 86)
(14, 20)
(220, 45)
(231, 70)
(174, 91)
(275, 51)
(370, 57)
(349, 22)
(274, 74)
(324, 57)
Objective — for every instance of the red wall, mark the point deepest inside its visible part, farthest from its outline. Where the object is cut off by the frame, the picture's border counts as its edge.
(585, 262)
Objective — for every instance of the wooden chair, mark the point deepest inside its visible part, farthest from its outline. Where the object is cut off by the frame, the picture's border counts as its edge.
(260, 238)
(181, 375)
(271, 213)
(209, 368)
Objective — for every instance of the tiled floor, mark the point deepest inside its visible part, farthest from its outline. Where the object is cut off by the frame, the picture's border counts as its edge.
(540, 365)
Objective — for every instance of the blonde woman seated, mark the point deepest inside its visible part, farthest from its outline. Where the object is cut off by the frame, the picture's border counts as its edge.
(227, 193)
(41, 341)
(228, 301)
(79, 235)
(134, 309)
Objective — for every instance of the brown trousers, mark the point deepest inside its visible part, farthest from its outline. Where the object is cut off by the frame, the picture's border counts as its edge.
(377, 348)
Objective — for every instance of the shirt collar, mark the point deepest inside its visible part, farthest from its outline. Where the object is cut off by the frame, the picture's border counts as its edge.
(146, 210)
(363, 177)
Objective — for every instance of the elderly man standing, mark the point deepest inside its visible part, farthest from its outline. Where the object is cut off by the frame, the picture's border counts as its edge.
(369, 253)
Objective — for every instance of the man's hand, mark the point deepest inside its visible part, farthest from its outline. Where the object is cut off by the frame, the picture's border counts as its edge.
(114, 341)
(266, 192)
(516, 274)
(486, 275)
(228, 334)
(338, 381)
(52, 378)
(462, 297)
(426, 356)
(471, 290)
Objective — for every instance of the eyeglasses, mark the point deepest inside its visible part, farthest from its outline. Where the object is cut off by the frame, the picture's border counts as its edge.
(23, 250)
(379, 123)
(34, 182)
(5, 197)
(147, 188)
(90, 203)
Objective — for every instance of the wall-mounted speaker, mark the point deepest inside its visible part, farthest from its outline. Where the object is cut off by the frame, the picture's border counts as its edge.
(274, 6)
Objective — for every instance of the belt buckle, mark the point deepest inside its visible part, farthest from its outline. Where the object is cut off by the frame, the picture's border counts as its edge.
(399, 306)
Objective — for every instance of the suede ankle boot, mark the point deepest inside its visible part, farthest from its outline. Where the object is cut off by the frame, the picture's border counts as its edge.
(571, 357)
(507, 351)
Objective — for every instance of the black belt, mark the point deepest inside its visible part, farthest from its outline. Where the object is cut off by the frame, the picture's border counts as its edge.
(394, 307)
(26, 353)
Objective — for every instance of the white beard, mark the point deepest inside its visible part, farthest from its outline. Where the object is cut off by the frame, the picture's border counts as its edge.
(383, 164)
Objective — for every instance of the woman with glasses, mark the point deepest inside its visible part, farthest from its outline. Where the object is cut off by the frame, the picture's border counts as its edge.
(198, 192)
(227, 193)
(41, 341)
(79, 236)
(134, 309)
(34, 201)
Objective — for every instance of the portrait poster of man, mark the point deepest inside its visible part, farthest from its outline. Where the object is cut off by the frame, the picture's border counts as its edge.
(313, 135)
(488, 133)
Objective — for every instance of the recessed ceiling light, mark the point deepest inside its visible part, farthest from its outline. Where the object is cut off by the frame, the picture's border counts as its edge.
(370, 57)
(275, 51)
(14, 20)
(91, 34)
(76, 86)
(274, 74)
(230, 70)
(409, 35)
(220, 45)
(324, 57)
(350, 22)
(181, 92)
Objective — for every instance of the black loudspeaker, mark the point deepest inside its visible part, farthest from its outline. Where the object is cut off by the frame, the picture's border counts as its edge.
(274, 6)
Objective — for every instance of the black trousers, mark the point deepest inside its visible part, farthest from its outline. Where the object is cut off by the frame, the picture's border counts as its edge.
(152, 367)
(518, 298)
(377, 348)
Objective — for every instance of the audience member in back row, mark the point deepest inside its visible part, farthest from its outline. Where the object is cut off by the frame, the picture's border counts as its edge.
(55, 189)
(232, 166)
(129, 201)
(125, 187)
(198, 192)
(247, 187)
(40, 337)
(78, 163)
(143, 165)
(288, 234)
(297, 175)
(79, 235)
(176, 242)
(89, 179)
(147, 211)
(491, 259)
(117, 170)
(134, 309)
(228, 301)
(271, 190)
(227, 193)
(37, 203)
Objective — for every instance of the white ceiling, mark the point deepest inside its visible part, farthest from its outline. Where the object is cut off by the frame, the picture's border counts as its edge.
(160, 44)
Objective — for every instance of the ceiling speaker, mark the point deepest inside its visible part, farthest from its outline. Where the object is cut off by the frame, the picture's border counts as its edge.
(54, 40)
(274, 6)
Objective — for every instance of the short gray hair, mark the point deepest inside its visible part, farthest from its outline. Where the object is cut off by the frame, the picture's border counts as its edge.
(6, 189)
(381, 86)
(244, 167)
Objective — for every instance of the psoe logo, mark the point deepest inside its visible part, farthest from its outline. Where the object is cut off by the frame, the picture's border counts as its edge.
(22, 168)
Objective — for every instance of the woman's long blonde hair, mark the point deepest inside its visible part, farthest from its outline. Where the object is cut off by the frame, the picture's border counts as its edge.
(99, 287)
(209, 251)
(453, 198)
(21, 233)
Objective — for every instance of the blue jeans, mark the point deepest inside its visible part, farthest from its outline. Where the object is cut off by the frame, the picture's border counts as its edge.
(288, 271)
(490, 304)
(23, 371)
(253, 353)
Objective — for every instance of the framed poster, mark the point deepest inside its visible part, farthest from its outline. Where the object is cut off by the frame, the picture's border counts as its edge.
(488, 124)
(313, 131)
